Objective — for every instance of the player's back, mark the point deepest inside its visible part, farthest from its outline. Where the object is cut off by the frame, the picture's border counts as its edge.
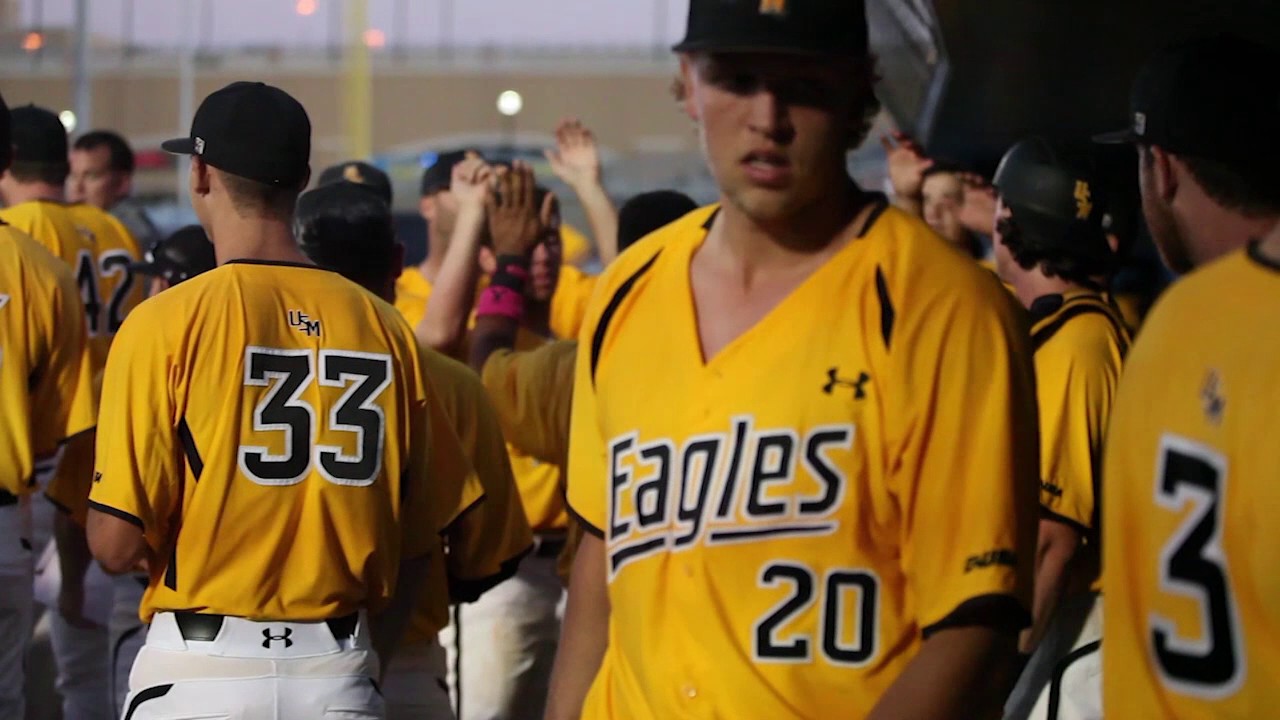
(107, 284)
(51, 224)
(1191, 544)
(38, 304)
(296, 396)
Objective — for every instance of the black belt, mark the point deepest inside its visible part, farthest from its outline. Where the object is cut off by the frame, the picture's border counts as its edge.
(199, 627)
(548, 546)
(7, 498)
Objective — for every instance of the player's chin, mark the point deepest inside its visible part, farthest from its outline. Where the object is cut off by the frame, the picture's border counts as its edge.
(765, 205)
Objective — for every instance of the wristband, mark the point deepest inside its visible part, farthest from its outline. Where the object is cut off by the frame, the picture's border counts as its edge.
(500, 301)
(512, 273)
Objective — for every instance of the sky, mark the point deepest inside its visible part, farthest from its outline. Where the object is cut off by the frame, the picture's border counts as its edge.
(229, 23)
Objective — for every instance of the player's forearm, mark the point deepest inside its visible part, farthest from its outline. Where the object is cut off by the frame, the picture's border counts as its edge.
(73, 549)
(118, 546)
(585, 635)
(491, 334)
(603, 217)
(959, 674)
(453, 292)
(388, 627)
(1058, 544)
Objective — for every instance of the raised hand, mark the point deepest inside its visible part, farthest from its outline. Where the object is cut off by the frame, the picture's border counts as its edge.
(907, 164)
(470, 181)
(576, 157)
(513, 215)
(978, 209)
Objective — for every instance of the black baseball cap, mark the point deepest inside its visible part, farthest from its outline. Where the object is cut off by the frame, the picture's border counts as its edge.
(251, 130)
(1054, 191)
(38, 136)
(802, 27)
(1215, 97)
(360, 173)
(439, 170)
(181, 256)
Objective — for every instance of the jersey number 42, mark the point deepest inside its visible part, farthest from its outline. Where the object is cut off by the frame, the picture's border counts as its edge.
(363, 375)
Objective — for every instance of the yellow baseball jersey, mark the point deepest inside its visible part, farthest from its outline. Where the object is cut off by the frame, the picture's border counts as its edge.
(787, 521)
(46, 393)
(267, 437)
(569, 302)
(108, 287)
(538, 481)
(51, 224)
(533, 394)
(1079, 341)
(575, 247)
(488, 541)
(1190, 539)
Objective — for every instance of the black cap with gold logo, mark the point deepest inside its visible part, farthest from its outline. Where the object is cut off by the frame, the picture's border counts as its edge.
(801, 27)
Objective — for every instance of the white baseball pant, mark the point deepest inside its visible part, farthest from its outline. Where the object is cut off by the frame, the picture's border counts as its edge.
(1063, 679)
(501, 647)
(414, 683)
(16, 605)
(252, 670)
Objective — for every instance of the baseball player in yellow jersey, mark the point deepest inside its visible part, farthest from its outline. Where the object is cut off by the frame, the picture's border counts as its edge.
(268, 467)
(102, 168)
(786, 516)
(1051, 247)
(1190, 542)
(47, 389)
(348, 228)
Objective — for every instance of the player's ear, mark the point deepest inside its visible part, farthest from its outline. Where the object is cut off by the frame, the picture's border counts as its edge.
(201, 176)
(1113, 242)
(1165, 170)
(126, 184)
(683, 86)
(427, 207)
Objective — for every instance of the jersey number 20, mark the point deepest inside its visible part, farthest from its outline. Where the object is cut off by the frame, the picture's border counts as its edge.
(364, 375)
(1193, 565)
(768, 641)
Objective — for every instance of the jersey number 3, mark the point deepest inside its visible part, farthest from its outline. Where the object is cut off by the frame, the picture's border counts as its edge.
(1193, 565)
(365, 376)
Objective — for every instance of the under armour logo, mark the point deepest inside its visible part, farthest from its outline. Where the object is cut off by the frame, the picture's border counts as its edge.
(1211, 396)
(199, 146)
(352, 173)
(773, 7)
(1140, 124)
(858, 386)
(284, 637)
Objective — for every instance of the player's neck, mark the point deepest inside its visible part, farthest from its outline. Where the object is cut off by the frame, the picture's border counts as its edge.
(19, 193)
(795, 241)
(1033, 284)
(270, 240)
(1218, 231)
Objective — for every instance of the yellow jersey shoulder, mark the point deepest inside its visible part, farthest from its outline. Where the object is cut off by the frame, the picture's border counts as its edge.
(22, 250)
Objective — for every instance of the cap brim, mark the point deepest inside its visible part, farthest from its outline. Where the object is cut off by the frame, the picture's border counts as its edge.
(145, 268)
(179, 146)
(1119, 137)
(764, 47)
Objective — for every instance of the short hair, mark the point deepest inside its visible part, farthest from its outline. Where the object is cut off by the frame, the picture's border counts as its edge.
(1251, 189)
(25, 171)
(253, 198)
(347, 228)
(119, 152)
(863, 81)
(648, 212)
(1077, 256)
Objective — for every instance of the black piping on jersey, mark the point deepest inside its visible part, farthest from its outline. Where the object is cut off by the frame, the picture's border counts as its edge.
(463, 513)
(171, 572)
(997, 611)
(150, 693)
(1079, 527)
(1254, 253)
(602, 329)
(1059, 671)
(189, 448)
(887, 313)
(127, 517)
(469, 590)
(1076, 307)
(587, 526)
(881, 204)
(277, 263)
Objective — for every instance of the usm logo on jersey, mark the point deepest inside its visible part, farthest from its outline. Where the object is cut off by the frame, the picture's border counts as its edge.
(773, 7)
(745, 485)
(299, 320)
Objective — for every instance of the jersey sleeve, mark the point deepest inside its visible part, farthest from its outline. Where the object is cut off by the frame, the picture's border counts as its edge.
(964, 456)
(1076, 390)
(138, 471)
(486, 544)
(532, 393)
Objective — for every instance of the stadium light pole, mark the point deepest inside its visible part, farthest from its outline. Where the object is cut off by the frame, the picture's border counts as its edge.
(357, 82)
(82, 80)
